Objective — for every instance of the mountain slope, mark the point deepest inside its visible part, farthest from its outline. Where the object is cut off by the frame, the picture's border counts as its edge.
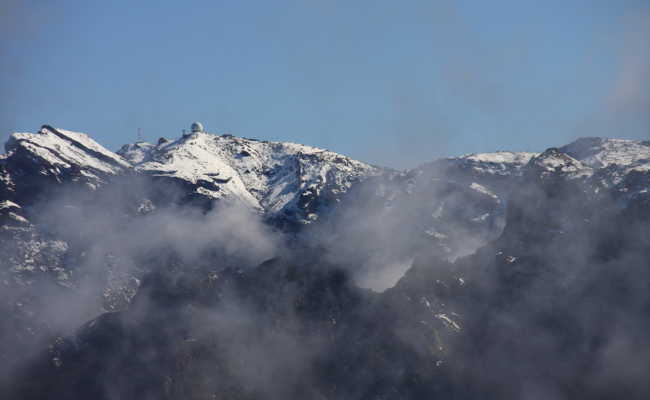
(552, 245)
(557, 306)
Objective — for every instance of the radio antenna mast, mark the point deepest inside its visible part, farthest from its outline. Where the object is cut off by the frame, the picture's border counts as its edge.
(139, 134)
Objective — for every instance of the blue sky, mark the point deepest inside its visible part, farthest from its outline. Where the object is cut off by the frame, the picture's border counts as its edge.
(394, 83)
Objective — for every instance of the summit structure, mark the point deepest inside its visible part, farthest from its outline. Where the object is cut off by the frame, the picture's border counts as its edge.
(196, 127)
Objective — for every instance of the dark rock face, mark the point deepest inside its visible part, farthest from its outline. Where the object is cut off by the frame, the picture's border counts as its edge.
(526, 315)
(280, 331)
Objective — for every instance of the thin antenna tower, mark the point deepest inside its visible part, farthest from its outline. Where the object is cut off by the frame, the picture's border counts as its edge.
(139, 134)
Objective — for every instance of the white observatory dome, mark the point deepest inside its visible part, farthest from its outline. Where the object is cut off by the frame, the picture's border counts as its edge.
(196, 127)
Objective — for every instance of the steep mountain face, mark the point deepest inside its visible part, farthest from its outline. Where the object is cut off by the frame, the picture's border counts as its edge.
(507, 275)
(34, 267)
(31, 268)
(560, 298)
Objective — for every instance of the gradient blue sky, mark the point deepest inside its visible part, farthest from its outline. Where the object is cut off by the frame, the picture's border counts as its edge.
(394, 83)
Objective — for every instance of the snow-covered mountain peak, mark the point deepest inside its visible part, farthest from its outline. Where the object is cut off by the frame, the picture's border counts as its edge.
(598, 152)
(274, 177)
(55, 156)
(66, 149)
(554, 161)
(137, 152)
(497, 164)
(501, 157)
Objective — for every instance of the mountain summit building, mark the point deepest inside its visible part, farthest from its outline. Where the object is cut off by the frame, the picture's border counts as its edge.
(196, 127)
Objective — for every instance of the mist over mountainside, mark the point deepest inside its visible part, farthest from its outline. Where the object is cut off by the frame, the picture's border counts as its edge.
(218, 267)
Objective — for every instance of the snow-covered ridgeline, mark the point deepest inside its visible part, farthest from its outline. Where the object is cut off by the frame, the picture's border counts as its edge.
(268, 176)
(281, 178)
(601, 152)
(58, 148)
(271, 177)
